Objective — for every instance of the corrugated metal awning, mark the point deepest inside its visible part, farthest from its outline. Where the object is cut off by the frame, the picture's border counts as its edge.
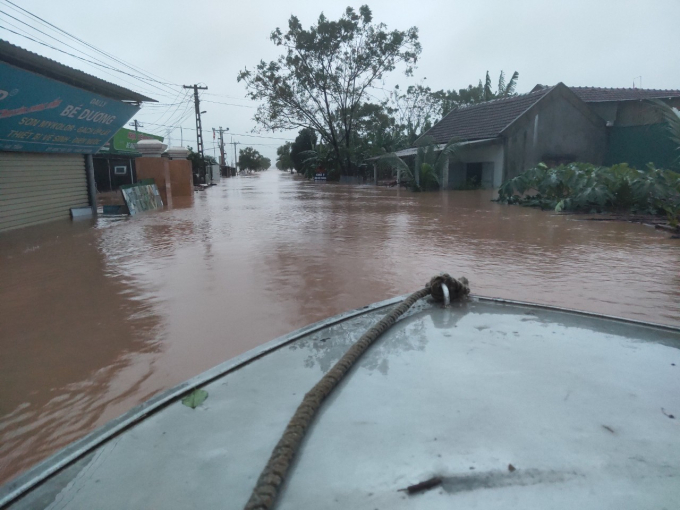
(29, 61)
(411, 151)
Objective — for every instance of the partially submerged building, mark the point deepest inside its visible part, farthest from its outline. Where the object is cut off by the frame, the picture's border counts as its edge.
(114, 163)
(556, 125)
(53, 118)
(636, 132)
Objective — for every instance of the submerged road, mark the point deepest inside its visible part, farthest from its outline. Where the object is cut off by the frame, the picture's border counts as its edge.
(96, 316)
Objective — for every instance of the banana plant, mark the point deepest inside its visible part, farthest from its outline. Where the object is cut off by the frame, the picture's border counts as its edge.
(586, 187)
(431, 159)
(672, 117)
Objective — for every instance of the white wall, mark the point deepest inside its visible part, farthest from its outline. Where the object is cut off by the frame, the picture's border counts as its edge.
(215, 174)
(492, 155)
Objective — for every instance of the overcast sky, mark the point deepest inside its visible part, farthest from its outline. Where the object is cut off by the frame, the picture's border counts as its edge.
(604, 43)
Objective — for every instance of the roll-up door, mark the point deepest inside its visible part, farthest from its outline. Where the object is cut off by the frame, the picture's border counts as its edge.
(35, 188)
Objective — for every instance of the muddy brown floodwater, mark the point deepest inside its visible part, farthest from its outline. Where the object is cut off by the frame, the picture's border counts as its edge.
(98, 316)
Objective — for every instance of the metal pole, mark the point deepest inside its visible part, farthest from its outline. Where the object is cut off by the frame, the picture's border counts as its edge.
(235, 160)
(199, 129)
(108, 165)
(91, 185)
(221, 146)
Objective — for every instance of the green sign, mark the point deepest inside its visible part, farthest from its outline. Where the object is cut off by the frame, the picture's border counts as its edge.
(125, 139)
(38, 114)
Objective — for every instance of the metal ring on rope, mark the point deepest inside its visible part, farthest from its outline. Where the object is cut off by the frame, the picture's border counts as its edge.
(442, 288)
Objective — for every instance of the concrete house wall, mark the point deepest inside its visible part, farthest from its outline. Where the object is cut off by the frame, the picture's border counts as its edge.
(559, 128)
(490, 155)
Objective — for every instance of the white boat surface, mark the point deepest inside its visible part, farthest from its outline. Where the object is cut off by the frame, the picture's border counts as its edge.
(507, 404)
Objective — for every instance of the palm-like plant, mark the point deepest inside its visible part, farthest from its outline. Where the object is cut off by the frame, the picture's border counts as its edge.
(505, 90)
(672, 117)
(429, 164)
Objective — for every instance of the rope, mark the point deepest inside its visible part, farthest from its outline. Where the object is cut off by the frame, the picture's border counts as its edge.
(273, 475)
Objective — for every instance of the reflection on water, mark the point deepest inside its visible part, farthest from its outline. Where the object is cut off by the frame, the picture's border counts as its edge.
(95, 317)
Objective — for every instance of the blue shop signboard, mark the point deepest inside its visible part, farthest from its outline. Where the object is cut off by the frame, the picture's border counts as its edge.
(38, 114)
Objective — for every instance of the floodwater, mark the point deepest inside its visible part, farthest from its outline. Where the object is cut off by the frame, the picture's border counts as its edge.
(97, 316)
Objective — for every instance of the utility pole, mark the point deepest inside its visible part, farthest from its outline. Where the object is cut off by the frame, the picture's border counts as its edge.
(235, 160)
(222, 160)
(199, 131)
(136, 124)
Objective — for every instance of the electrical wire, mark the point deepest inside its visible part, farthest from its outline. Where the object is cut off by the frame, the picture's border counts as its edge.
(108, 55)
(72, 55)
(229, 104)
(231, 133)
(118, 78)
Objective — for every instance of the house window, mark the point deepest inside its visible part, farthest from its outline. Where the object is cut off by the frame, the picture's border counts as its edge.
(120, 170)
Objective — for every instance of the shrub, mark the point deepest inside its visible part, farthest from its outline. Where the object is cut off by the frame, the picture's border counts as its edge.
(587, 187)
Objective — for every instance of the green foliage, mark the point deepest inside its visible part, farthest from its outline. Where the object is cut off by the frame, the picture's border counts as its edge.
(324, 74)
(284, 161)
(430, 161)
(250, 159)
(319, 159)
(447, 100)
(195, 398)
(415, 111)
(197, 164)
(305, 141)
(587, 187)
(672, 118)
(429, 180)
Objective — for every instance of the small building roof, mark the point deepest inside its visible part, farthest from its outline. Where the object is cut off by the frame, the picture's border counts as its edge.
(484, 120)
(603, 94)
(29, 61)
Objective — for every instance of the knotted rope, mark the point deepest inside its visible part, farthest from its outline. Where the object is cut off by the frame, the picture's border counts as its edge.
(273, 475)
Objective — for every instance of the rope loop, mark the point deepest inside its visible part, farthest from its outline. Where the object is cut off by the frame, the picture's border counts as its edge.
(458, 288)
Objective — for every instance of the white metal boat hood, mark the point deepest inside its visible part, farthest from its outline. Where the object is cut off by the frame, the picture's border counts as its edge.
(510, 405)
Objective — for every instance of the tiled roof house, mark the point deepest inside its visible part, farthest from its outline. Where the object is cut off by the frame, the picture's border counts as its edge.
(555, 124)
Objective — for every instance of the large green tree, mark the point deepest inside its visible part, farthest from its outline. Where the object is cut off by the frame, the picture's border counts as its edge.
(250, 159)
(415, 110)
(283, 158)
(326, 73)
(304, 142)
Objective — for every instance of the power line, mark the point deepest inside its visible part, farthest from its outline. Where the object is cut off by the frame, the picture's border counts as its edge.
(167, 116)
(28, 35)
(115, 76)
(108, 55)
(249, 144)
(230, 104)
(161, 89)
(72, 55)
(235, 134)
